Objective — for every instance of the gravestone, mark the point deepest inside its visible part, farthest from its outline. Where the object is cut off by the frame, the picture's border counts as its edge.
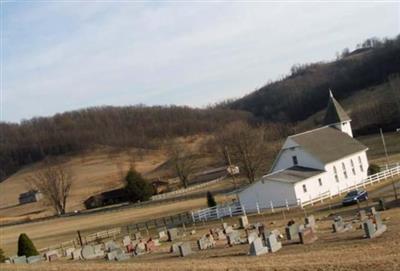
(88, 252)
(382, 204)
(363, 215)
(112, 255)
(185, 249)
(224, 225)
(68, 252)
(228, 230)
(121, 257)
(373, 210)
(51, 255)
(150, 245)
(126, 241)
(307, 236)
(172, 234)
(310, 222)
(272, 243)
(175, 248)
(77, 254)
(374, 228)
(140, 248)
(162, 235)
(34, 259)
(233, 238)
(251, 237)
(243, 221)
(257, 248)
(292, 232)
(221, 235)
(110, 246)
(137, 236)
(18, 259)
(206, 242)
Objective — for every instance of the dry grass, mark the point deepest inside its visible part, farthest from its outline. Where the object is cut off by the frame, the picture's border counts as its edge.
(347, 251)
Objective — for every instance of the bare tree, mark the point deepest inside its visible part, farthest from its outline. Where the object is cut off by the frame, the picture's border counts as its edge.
(54, 181)
(183, 159)
(251, 148)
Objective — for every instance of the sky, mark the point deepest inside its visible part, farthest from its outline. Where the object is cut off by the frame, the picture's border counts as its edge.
(64, 55)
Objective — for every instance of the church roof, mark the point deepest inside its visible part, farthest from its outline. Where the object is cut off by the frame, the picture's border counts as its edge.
(328, 144)
(293, 174)
(334, 113)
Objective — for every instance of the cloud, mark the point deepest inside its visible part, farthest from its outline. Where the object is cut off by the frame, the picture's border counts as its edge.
(63, 56)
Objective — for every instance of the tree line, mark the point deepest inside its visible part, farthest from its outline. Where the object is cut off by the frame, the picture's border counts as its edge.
(305, 90)
(131, 126)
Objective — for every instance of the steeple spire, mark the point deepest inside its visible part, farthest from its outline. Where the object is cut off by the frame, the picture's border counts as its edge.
(336, 116)
(334, 112)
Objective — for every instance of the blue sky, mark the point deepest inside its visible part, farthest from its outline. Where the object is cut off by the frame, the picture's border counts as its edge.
(60, 56)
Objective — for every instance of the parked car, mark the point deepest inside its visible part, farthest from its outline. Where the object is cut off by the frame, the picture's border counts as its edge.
(355, 195)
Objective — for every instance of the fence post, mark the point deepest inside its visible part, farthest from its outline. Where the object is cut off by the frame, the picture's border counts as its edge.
(243, 209)
(258, 208)
(193, 217)
(287, 204)
(230, 211)
(216, 210)
(272, 206)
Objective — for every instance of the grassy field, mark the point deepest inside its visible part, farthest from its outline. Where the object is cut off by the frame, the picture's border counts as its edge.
(346, 251)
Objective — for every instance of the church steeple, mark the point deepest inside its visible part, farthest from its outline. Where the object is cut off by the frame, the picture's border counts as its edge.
(336, 116)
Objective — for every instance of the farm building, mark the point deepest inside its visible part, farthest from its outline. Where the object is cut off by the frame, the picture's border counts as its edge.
(107, 198)
(30, 196)
(312, 164)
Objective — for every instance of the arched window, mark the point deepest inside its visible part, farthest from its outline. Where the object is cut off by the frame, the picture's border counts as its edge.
(352, 167)
(335, 173)
(360, 163)
(344, 170)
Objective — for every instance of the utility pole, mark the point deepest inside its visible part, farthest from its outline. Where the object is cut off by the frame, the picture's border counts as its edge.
(230, 166)
(387, 162)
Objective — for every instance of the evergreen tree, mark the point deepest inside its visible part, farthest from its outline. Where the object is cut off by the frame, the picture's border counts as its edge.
(2, 256)
(137, 187)
(210, 200)
(25, 246)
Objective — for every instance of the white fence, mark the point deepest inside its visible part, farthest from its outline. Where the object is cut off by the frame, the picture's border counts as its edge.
(236, 208)
(185, 190)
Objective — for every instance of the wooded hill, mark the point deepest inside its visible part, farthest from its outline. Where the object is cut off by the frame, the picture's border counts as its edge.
(374, 67)
(121, 127)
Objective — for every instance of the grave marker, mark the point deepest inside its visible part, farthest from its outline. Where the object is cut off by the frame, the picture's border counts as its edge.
(292, 232)
(185, 249)
(307, 236)
(243, 221)
(34, 259)
(257, 248)
(272, 243)
(172, 234)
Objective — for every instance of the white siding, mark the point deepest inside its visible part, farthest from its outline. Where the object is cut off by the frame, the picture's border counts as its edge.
(345, 127)
(265, 191)
(314, 190)
(304, 159)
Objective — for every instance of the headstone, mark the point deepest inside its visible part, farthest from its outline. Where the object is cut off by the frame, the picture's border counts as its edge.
(228, 230)
(233, 238)
(88, 252)
(224, 225)
(292, 232)
(175, 248)
(150, 245)
(307, 236)
(126, 241)
(243, 221)
(251, 237)
(162, 235)
(374, 228)
(257, 248)
(98, 250)
(68, 252)
(221, 235)
(137, 236)
(172, 234)
(373, 210)
(34, 259)
(310, 222)
(112, 255)
(110, 246)
(77, 254)
(121, 257)
(206, 242)
(18, 259)
(51, 255)
(185, 249)
(363, 215)
(140, 248)
(272, 243)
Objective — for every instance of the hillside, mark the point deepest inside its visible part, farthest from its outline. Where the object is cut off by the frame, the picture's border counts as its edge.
(367, 79)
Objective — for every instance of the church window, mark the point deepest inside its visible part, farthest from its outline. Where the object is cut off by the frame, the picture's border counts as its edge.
(335, 173)
(344, 170)
(352, 167)
(320, 182)
(361, 165)
(294, 159)
(304, 188)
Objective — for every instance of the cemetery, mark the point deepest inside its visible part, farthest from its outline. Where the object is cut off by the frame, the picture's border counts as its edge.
(246, 237)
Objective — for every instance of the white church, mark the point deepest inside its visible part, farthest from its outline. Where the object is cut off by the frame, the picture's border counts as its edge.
(319, 162)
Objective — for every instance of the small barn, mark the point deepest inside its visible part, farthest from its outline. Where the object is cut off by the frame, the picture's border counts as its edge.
(107, 198)
(30, 196)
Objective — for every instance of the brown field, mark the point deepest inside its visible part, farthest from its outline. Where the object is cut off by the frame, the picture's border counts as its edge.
(346, 251)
